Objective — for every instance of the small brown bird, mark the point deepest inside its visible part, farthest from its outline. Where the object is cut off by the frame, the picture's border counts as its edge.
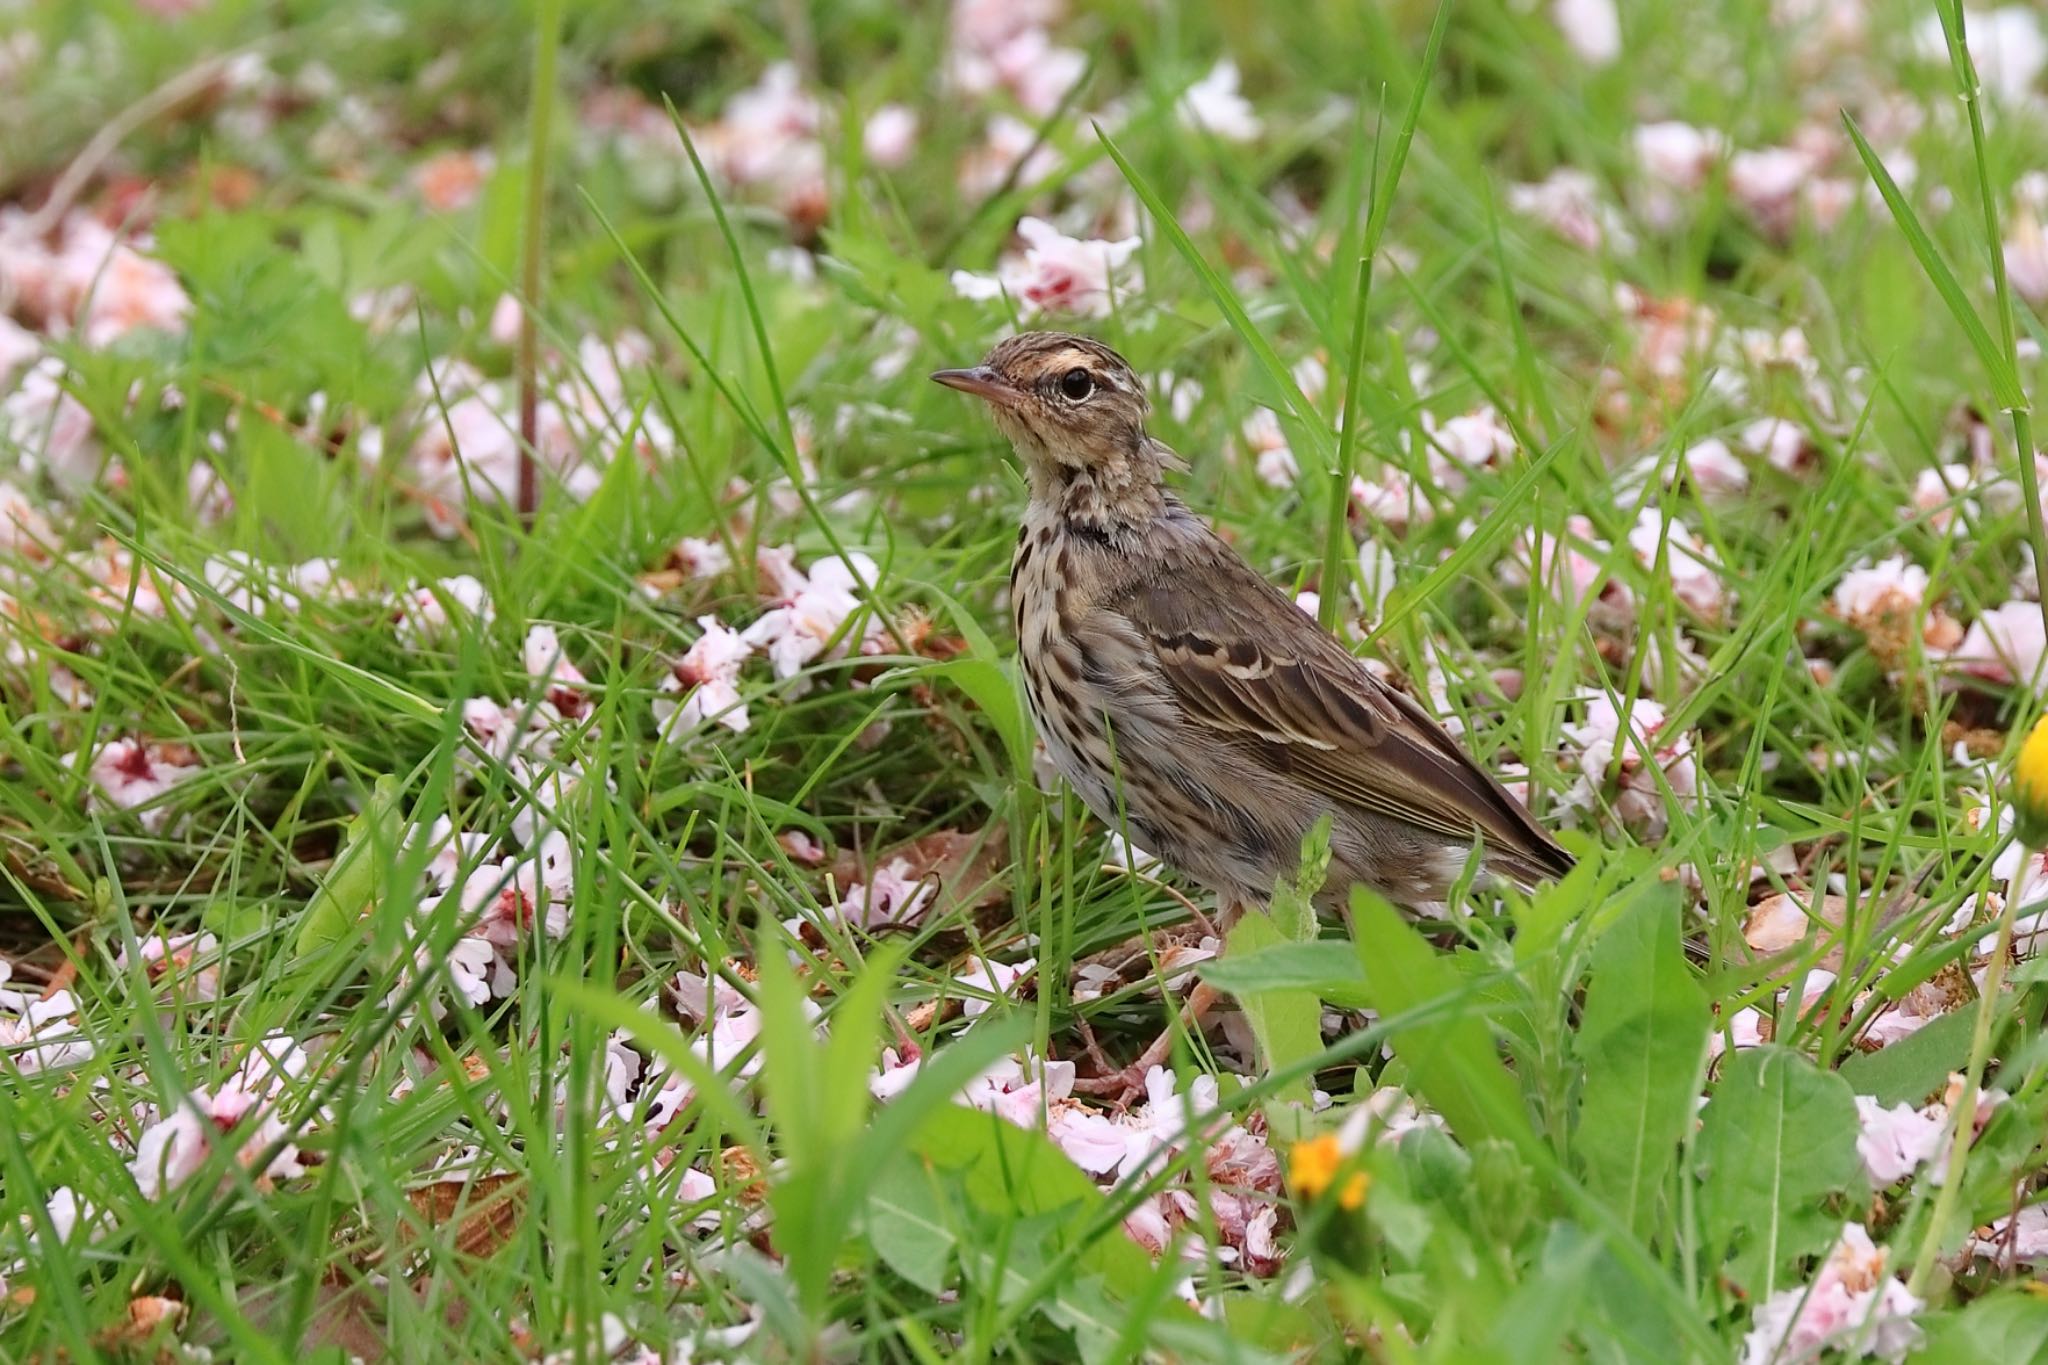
(1179, 691)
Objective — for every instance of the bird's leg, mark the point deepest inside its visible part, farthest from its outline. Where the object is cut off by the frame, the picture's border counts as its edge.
(1201, 920)
(1129, 1083)
(1090, 1048)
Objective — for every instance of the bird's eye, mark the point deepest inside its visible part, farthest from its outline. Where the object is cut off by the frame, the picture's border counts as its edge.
(1077, 384)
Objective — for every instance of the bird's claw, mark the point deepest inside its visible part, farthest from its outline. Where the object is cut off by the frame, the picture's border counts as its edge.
(1118, 1087)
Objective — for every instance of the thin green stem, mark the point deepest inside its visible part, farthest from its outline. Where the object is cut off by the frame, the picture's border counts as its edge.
(1971, 91)
(1335, 561)
(1964, 1113)
(540, 116)
(1336, 565)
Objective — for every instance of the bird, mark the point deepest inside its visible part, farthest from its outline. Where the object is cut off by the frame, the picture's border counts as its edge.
(1186, 698)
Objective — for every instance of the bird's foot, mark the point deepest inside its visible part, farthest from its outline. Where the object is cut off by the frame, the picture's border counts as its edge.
(1091, 1048)
(1124, 1085)
(1119, 1087)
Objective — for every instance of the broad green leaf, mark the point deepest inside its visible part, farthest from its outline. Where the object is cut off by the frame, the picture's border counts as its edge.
(989, 686)
(942, 1076)
(1287, 1020)
(1908, 1071)
(1643, 1043)
(1622, 1323)
(2005, 1154)
(1450, 1055)
(1017, 1172)
(1533, 1323)
(817, 1093)
(1999, 1326)
(1061, 1256)
(818, 1097)
(370, 847)
(908, 1224)
(1080, 1306)
(1328, 967)
(1540, 922)
(1777, 1141)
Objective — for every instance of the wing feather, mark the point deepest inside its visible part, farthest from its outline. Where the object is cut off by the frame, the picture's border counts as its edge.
(1242, 660)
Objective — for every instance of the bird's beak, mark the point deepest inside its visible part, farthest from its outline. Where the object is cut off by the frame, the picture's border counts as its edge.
(981, 381)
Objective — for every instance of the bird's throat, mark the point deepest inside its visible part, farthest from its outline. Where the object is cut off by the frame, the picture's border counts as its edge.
(1107, 497)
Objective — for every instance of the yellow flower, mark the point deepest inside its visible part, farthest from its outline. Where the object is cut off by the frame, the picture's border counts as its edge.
(1312, 1167)
(2030, 786)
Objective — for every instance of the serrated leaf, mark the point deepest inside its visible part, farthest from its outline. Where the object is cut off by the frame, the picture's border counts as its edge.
(1642, 1044)
(1777, 1140)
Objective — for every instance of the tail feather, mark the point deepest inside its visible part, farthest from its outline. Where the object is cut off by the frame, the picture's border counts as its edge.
(1540, 861)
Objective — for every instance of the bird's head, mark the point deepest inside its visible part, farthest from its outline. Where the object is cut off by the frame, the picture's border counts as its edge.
(1070, 405)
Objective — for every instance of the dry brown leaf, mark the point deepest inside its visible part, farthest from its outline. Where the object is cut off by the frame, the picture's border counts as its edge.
(1977, 740)
(489, 1206)
(1778, 922)
(742, 1170)
(148, 1315)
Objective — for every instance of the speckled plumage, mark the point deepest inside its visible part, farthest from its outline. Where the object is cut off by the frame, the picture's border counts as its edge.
(1181, 693)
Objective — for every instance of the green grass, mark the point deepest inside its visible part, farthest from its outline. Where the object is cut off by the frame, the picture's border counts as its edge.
(466, 1187)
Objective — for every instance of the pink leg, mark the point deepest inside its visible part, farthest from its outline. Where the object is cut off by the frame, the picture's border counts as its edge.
(1130, 1082)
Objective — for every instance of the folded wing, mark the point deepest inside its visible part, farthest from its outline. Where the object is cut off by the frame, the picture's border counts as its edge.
(1244, 661)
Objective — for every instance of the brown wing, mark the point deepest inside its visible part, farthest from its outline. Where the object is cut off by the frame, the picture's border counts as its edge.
(1242, 659)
